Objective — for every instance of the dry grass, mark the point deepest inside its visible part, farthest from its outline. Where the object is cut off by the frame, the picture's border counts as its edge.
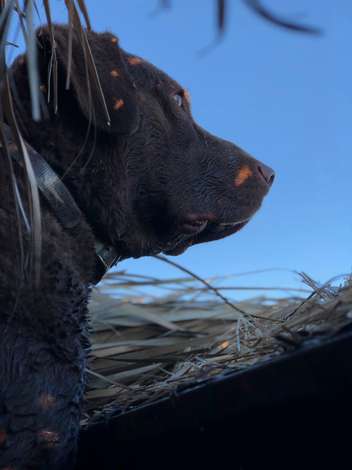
(18, 20)
(144, 347)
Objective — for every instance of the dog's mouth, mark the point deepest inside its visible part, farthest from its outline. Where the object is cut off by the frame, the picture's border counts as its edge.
(200, 231)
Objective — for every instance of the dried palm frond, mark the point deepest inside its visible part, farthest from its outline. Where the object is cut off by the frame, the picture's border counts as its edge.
(13, 15)
(144, 347)
(259, 9)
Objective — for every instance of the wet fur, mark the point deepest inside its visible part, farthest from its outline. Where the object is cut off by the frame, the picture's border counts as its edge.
(135, 180)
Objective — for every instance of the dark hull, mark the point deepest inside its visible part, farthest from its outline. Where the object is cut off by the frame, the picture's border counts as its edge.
(292, 412)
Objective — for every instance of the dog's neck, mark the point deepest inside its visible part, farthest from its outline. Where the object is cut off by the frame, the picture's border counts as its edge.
(63, 204)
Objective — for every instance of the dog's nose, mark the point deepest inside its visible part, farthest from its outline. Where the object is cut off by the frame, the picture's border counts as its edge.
(267, 173)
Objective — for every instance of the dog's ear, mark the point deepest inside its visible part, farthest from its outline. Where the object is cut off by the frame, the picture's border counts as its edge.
(99, 76)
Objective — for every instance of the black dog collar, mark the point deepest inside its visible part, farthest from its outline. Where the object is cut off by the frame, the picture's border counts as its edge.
(61, 201)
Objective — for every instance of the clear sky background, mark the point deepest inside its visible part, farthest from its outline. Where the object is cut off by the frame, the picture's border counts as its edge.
(284, 97)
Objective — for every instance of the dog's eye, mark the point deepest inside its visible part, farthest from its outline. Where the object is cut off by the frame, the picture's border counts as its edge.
(178, 97)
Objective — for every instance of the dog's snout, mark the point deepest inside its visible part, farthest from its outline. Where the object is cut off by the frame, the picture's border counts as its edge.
(266, 173)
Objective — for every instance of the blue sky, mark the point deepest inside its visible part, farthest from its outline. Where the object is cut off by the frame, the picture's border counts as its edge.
(285, 98)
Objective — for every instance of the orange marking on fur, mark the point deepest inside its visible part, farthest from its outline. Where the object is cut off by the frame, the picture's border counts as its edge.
(3, 436)
(49, 438)
(114, 73)
(187, 96)
(242, 176)
(225, 344)
(134, 60)
(118, 104)
(114, 40)
(46, 401)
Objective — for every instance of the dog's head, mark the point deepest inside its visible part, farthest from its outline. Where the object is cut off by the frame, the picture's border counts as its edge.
(147, 177)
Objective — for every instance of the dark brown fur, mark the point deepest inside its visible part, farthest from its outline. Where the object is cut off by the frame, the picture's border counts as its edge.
(150, 181)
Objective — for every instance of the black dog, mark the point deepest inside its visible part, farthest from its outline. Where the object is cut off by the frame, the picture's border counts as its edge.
(141, 177)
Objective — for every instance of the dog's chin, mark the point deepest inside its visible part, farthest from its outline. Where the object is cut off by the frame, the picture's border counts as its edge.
(207, 232)
(186, 234)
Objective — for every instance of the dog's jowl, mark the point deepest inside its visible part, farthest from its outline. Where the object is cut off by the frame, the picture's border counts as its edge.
(123, 171)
